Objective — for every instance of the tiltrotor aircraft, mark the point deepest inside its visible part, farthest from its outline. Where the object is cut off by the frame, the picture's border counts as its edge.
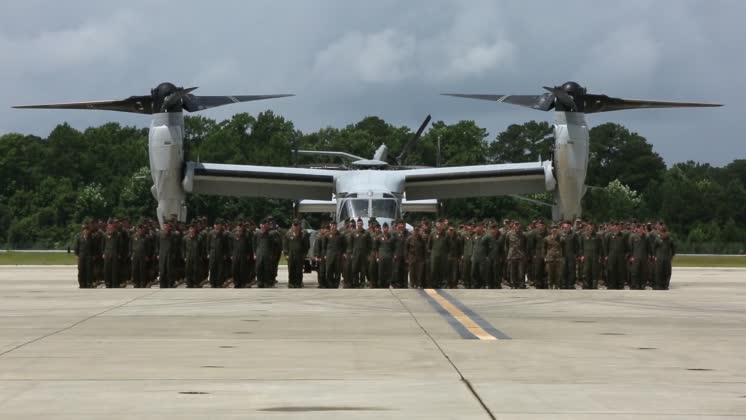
(371, 189)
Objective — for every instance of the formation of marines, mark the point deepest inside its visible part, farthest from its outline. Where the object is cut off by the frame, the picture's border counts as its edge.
(240, 253)
(471, 255)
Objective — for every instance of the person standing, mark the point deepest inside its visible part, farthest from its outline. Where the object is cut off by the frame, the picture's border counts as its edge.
(264, 246)
(139, 255)
(554, 258)
(516, 256)
(112, 256)
(455, 252)
(496, 257)
(591, 250)
(467, 239)
(641, 254)
(537, 255)
(570, 253)
(194, 254)
(166, 256)
(615, 255)
(361, 251)
(665, 250)
(401, 266)
(333, 249)
(384, 250)
(218, 251)
(242, 253)
(85, 251)
(480, 261)
(296, 249)
(416, 249)
(318, 247)
(439, 248)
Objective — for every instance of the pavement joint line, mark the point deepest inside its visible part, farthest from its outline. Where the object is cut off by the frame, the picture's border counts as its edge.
(472, 326)
(445, 355)
(76, 323)
(486, 326)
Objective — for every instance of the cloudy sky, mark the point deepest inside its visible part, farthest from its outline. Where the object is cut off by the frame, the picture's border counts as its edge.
(349, 59)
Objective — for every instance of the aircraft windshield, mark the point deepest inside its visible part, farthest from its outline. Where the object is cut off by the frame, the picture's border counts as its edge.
(354, 208)
(359, 207)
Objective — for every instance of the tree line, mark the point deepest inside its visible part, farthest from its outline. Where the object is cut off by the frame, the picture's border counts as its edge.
(49, 185)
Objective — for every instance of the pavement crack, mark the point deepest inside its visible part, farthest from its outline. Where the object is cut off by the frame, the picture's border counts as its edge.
(71, 326)
(447, 357)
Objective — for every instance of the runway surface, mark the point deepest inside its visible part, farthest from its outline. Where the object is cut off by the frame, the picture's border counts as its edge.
(308, 353)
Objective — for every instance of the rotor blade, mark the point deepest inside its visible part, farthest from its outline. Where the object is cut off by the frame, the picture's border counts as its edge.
(541, 102)
(413, 141)
(136, 104)
(603, 103)
(194, 103)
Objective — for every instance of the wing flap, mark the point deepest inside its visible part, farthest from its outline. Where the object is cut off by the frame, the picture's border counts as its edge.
(479, 181)
(259, 181)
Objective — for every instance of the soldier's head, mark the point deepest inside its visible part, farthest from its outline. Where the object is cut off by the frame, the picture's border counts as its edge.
(663, 233)
(192, 230)
(218, 225)
(166, 226)
(541, 226)
(589, 227)
(359, 223)
(86, 228)
(333, 227)
(385, 228)
(555, 230)
(264, 225)
(140, 229)
(517, 226)
(296, 226)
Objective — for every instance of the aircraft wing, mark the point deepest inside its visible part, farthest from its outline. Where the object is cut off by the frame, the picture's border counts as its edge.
(259, 181)
(479, 181)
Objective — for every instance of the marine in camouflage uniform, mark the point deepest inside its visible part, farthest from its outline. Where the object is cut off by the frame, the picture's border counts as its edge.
(139, 254)
(166, 257)
(361, 250)
(480, 262)
(591, 251)
(641, 254)
(296, 248)
(85, 250)
(664, 250)
(455, 252)
(554, 258)
(439, 247)
(375, 231)
(615, 254)
(570, 252)
(384, 250)
(218, 251)
(401, 266)
(467, 239)
(538, 252)
(318, 246)
(496, 257)
(265, 243)
(416, 249)
(516, 256)
(333, 249)
(195, 253)
(112, 256)
(242, 255)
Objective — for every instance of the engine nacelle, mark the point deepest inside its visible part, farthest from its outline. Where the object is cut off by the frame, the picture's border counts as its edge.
(570, 163)
(166, 151)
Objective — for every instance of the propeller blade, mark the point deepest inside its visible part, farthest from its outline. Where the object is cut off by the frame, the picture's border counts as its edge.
(603, 103)
(194, 103)
(543, 102)
(413, 141)
(136, 104)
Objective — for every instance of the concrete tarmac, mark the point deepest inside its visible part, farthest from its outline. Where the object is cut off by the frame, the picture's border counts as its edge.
(308, 353)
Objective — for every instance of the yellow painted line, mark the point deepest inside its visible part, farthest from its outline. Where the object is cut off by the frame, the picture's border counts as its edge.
(461, 317)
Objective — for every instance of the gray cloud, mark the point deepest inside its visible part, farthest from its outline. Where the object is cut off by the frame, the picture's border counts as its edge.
(347, 60)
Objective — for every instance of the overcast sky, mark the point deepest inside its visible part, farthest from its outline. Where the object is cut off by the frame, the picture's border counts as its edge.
(349, 59)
